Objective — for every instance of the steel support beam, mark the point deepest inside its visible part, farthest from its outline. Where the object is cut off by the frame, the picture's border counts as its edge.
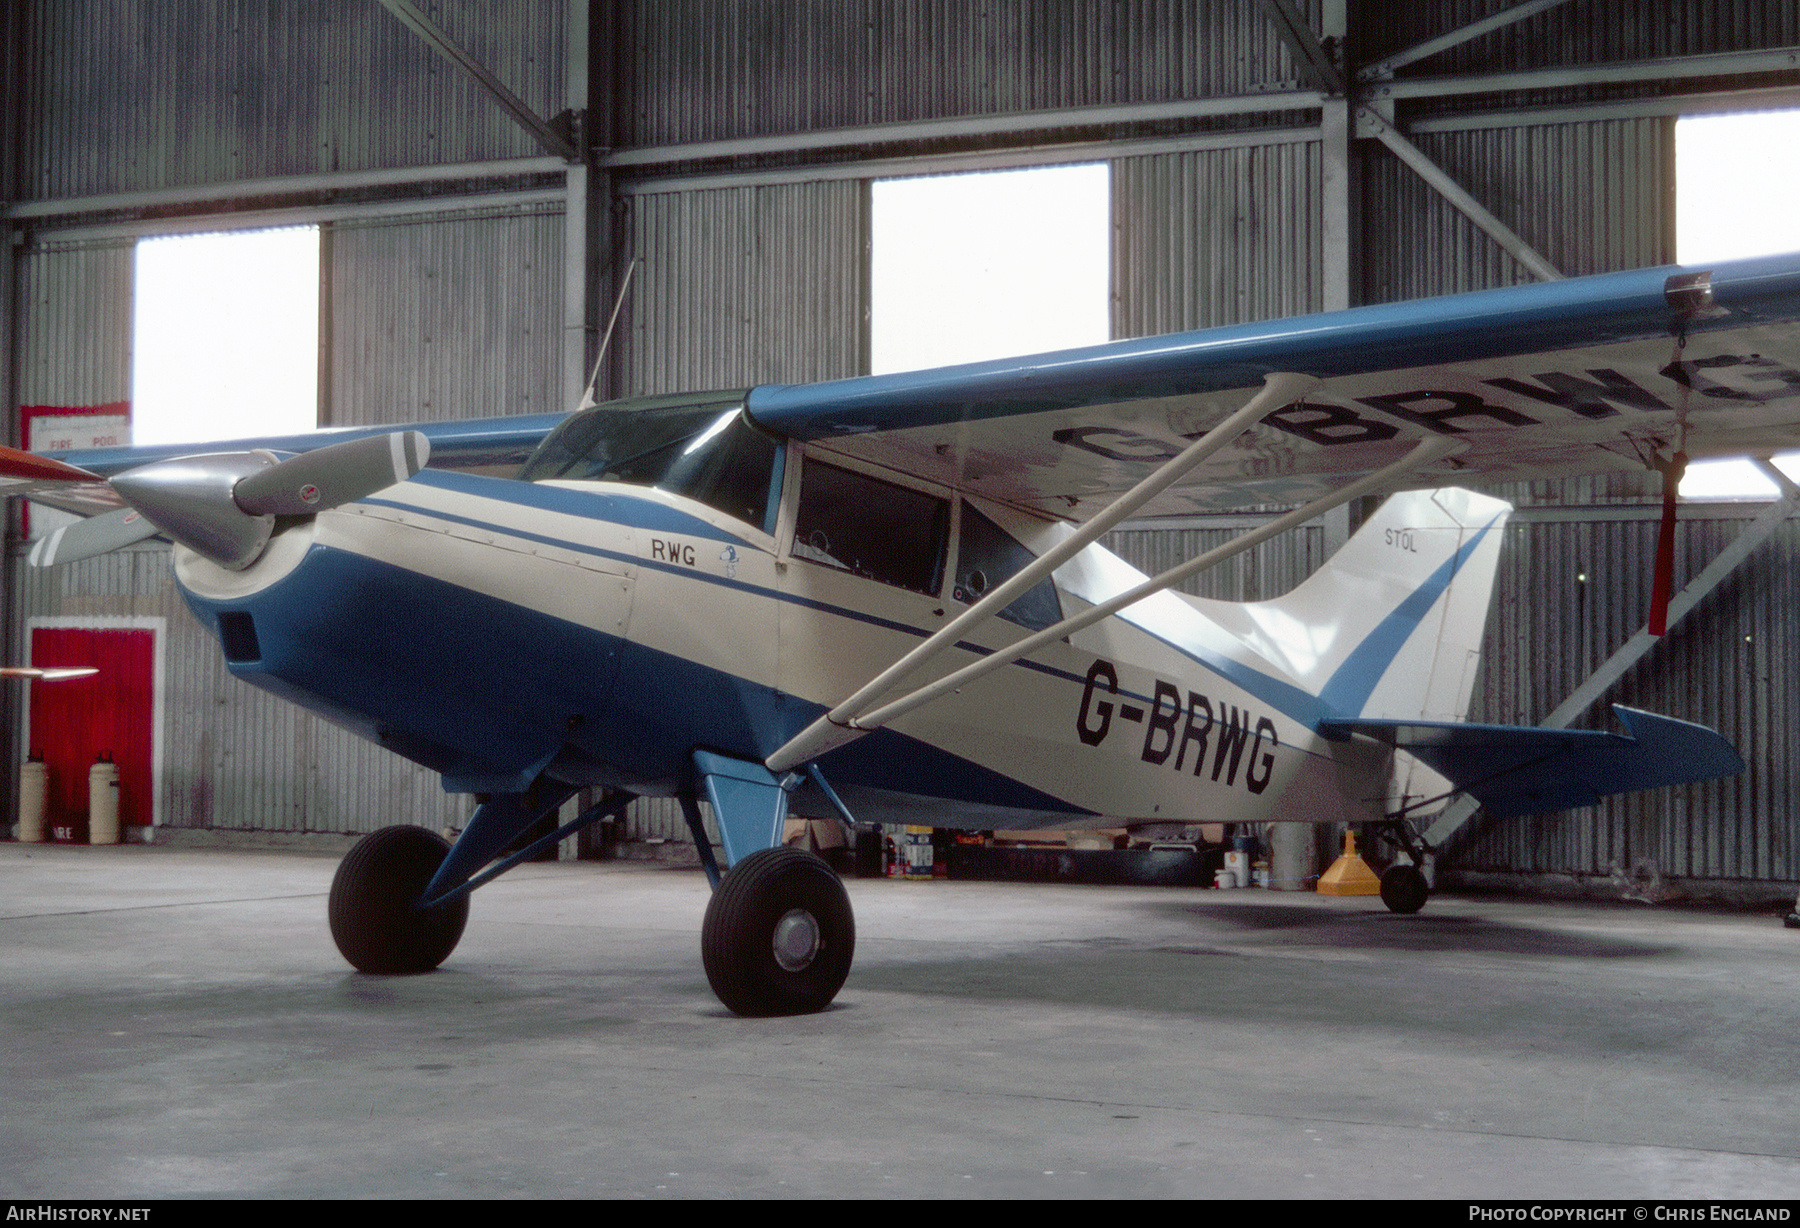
(302, 215)
(279, 186)
(1774, 98)
(12, 88)
(1384, 68)
(908, 132)
(1457, 195)
(444, 45)
(577, 313)
(1725, 64)
(1339, 223)
(1314, 62)
(956, 163)
(578, 216)
(1338, 226)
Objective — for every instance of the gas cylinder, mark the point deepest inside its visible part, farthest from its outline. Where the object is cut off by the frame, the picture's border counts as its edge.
(34, 791)
(103, 801)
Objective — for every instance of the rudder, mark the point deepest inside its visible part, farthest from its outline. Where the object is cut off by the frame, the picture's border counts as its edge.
(1394, 620)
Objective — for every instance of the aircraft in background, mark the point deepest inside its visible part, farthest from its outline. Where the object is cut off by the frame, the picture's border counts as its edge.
(883, 597)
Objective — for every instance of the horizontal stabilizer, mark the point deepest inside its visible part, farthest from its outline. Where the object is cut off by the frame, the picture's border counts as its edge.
(1513, 769)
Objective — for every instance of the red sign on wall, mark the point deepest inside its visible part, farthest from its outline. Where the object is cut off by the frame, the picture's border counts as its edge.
(62, 428)
(65, 428)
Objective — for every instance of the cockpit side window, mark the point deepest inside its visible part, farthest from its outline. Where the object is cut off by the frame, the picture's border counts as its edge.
(709, 452)
(871, 528)
(987, 556)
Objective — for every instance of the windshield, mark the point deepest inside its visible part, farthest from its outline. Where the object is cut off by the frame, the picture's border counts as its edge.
(703, 448)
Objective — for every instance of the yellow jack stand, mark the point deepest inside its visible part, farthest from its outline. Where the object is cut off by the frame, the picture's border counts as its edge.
(1349, 874)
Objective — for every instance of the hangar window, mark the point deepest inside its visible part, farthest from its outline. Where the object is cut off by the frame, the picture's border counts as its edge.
(988, 265)
(225, 335)
(871, 528)
(1736, 177)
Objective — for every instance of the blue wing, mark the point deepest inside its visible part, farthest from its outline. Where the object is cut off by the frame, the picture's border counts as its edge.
(1547, 380)
(1556, 379)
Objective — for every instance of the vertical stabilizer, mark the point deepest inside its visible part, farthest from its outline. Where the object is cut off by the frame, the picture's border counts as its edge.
(1391, 625)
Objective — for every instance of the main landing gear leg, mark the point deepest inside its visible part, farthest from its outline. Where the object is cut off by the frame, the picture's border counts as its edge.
(779, 934)
(400, 897)
(1403, 886)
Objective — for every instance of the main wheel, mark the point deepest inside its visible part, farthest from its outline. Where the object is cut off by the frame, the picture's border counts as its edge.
(1403, 889)
(778, 935)
(376, 919)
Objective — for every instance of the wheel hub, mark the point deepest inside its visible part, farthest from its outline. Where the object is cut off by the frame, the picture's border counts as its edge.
(796, 940)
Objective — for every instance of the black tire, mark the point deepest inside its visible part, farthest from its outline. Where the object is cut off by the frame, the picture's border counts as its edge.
(375, 916)
(773, 897)
(1403, 889)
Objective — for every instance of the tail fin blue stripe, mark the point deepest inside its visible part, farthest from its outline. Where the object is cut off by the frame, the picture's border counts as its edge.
(1351, 684)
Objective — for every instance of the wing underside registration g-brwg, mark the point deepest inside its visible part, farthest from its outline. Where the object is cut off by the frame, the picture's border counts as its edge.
(1581, 376)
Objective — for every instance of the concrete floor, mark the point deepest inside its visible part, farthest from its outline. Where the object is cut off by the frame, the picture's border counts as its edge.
(178, 1023)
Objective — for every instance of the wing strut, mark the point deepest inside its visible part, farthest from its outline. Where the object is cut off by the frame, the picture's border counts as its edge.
(1428, 450)
(1280, 389)
(831, 730)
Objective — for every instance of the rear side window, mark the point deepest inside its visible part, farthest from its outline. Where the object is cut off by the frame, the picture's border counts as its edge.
(987, 556)
(871, 528)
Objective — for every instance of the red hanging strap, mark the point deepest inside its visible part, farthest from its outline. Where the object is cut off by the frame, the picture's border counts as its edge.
(1664, 579)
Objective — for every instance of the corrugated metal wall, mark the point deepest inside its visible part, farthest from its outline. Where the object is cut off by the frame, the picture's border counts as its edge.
(74, 344)
(698, 71)
(739, 286)
(1594, 31)
(1215, 237)
(124, 97)
(443, 316)
(1267, 571)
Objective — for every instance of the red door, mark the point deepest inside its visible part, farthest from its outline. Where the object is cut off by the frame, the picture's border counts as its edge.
(76, 721)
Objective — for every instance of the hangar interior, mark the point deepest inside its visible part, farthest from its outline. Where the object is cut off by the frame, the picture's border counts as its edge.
(483, 179)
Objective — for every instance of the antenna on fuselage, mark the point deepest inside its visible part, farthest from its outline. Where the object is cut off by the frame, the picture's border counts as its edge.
(587, 394)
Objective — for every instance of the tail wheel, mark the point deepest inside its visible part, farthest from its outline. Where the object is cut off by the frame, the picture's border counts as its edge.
(779, 934)
(1403, 889)
(376, 919)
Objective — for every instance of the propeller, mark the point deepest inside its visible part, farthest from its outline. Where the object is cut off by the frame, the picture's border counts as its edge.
(224, 504)
(86, 538)
(328, 477)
